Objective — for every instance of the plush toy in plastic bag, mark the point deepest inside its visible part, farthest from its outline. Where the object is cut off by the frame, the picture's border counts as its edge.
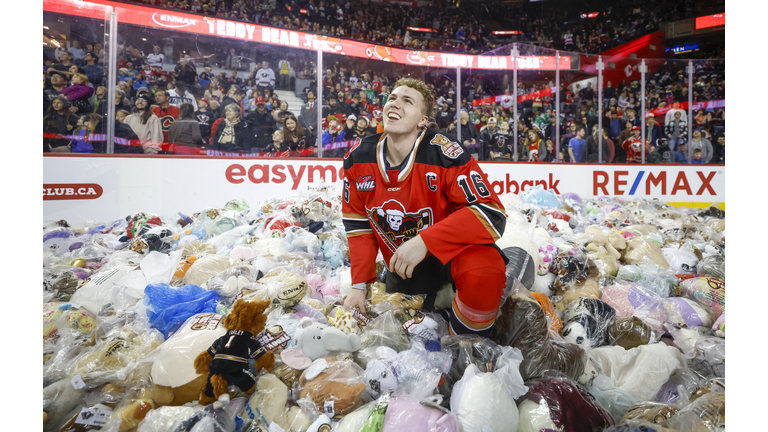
(467, 350)
(315, 341)
(631, 332)
(707, 291)
(586, 322)
(523, 324)
(634, 300)
(406, 414)
(650, 411)
(175, 381)
(705, 414)
(416, 372)
(332, 385)
(384, 330)
(541, 197)
(556, 402)
(640, 371)
(481, 403)
(169, 307)
(684, 312)
(268, 405)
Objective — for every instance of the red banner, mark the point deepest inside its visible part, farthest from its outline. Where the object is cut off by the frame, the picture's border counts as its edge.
(202, 25)
(521, 98)
(710, 21)
(706, 105)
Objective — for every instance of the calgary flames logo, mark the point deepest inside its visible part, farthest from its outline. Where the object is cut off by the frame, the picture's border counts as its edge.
(396, 226)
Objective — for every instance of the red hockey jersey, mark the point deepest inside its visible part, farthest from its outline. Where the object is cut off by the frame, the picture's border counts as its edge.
(439, 191)
(634, 148)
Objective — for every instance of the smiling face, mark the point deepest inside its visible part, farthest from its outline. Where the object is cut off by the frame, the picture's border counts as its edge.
(404, 111)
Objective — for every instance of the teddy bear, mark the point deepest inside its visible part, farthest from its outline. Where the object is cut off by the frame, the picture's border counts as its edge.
(333, 385)
(414, 371)
(231, 358)
(316, 340)
(604, 247)
(268, 405)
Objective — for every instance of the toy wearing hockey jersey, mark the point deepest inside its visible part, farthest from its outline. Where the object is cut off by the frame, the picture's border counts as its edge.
(228, 360)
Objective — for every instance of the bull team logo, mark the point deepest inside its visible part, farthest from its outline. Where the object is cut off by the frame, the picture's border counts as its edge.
(395, 225)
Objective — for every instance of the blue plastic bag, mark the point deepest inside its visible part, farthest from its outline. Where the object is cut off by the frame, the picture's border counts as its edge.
(169, 307)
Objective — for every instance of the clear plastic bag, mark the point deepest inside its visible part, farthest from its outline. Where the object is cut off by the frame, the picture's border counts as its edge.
(406, 414)
(705, 414)
(481, 402)
(169, 307)
(467, 350)
(587, 321)
(415, 372)
(631, 299)
(614, 399)
(331, 385)
(384, 330)
(556, 402)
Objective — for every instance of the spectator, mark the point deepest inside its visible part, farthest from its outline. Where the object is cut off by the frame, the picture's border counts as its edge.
(535, 147)
(234, 61)
(350, 127)
(261, 124)
(88, 125)
(156, 58)
(676, 131)
(277, 145)
(576, 144)
(295, 136)
(614, 125)
(361, 131)
(235, 96)
(308, 114)
(634, 146)
(58, 120)
(592, 148)
(501, 144)
(78, 53)
(78, 93)
(265, 77)
(126, 134)
(164, 111)
(469, 133)
(58, 83)
(333, 108)
(204, 119)
(486, 137)
(185, 131)
(550, 129)
(609, 92)
(93, 71)
(232, 135)
(696, 159)
(703, 144)
(335, 132)
(100, 102)
(681, 155)
(701, 119)
(284, 66)
(146, 125)
(653, 132)
(179, 95)
(718, 150)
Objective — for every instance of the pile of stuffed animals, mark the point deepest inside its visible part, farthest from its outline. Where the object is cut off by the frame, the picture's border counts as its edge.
(232, 320)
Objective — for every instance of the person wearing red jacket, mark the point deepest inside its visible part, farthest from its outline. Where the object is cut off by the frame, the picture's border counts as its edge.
(424, 202)
(634, 146)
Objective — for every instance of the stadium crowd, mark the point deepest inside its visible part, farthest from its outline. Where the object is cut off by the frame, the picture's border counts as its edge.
(189, 109)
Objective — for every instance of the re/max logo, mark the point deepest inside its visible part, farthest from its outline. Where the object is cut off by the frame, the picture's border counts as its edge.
(647, 183)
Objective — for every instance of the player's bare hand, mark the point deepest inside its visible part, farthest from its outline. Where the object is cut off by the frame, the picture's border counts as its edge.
(355, 299)
(407, 256)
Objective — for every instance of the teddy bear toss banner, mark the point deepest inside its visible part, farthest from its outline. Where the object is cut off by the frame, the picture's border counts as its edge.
(108, 188)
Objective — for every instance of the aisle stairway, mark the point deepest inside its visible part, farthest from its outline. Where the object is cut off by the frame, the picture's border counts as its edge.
(294, 103)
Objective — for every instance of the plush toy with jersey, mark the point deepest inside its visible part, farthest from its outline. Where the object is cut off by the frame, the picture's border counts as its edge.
(316, 341)
(232, 357)
(586, 322)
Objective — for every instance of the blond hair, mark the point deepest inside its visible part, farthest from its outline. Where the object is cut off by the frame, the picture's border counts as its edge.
(420, 87)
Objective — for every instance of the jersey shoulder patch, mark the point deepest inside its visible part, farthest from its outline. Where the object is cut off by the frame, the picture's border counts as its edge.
(450, 149)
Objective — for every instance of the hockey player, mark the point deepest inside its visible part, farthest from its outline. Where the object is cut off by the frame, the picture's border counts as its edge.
(424, 202)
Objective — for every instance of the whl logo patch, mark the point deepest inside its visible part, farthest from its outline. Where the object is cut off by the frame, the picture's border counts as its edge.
(365, 183)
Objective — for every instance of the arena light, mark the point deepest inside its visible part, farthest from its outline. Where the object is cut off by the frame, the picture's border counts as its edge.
(505, 32)
(421, 29)
(710, 21)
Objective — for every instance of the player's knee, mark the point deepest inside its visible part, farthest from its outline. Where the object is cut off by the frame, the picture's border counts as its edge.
(480, 280)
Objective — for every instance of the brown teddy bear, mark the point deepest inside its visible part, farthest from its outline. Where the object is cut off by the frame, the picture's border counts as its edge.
(236, 357)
